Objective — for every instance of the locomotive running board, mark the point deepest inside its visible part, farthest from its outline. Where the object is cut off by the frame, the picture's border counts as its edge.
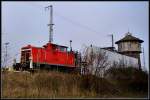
(56, 65)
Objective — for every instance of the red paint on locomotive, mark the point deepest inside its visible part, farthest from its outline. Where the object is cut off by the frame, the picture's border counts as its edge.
(51, 54)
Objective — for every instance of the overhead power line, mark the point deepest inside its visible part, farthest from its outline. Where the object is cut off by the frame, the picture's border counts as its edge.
(76, 23)
(70, 20)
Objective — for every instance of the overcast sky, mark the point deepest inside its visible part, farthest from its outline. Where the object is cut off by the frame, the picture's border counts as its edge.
(84, 23)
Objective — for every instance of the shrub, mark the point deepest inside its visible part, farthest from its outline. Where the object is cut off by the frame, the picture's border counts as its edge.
(129, 78)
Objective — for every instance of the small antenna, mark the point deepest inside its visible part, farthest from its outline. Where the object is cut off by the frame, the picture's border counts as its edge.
(128, 33)
(51, 23)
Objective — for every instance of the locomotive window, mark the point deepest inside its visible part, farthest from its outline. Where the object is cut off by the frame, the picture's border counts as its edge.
(62, 49)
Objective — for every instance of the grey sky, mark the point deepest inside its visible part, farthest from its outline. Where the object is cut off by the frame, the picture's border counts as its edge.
(82, 22)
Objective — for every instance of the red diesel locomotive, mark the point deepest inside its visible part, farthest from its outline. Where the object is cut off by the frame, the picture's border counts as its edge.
(50, 56)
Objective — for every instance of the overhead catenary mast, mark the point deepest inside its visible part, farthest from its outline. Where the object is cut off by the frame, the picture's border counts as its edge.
(112, 40)
(50, 23)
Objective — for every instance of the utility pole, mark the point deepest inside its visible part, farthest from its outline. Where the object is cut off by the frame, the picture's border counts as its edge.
(50, 23)
(143, 57)
(6, 55)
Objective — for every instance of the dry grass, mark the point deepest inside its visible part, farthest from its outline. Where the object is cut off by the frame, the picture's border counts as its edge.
(57, 85)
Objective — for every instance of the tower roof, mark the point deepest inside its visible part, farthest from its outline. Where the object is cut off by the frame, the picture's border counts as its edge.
(129, 37)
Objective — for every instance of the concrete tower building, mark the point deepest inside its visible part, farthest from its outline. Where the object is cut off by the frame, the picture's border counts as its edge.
(130, 46)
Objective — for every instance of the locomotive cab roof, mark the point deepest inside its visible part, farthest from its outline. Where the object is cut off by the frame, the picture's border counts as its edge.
(46, 46)
(27, 47)
(54, 45)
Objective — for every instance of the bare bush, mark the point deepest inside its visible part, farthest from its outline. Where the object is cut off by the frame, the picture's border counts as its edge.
(96, 61)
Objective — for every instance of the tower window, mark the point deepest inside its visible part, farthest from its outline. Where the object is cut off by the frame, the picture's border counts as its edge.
(138, 45)
(120, 46)
(129, 45)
